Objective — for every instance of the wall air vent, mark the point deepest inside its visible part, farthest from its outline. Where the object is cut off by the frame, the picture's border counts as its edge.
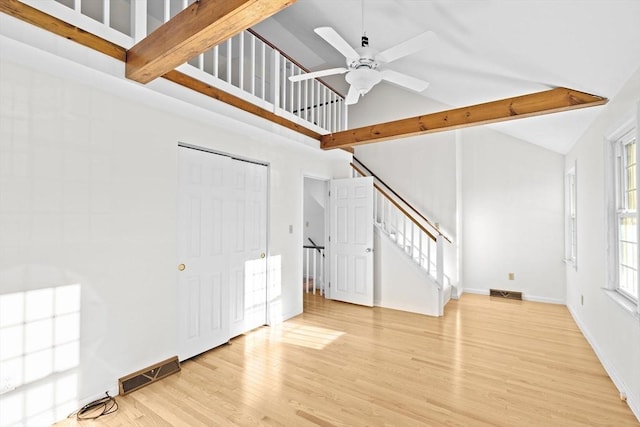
(501, 293)
(148, 375)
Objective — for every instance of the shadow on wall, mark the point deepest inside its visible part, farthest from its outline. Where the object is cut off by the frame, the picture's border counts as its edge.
(39, 355)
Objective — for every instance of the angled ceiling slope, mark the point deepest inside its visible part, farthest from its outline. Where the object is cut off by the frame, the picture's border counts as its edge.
(209, 26)
(486, 50)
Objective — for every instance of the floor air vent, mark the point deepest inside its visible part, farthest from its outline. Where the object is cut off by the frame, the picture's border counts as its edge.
(148, 375)
(505, 294)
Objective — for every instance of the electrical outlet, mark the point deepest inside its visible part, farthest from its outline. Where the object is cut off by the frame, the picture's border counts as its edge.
(512, 276)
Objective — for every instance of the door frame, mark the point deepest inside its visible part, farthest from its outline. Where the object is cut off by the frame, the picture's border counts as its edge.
(267, 320)
(326, 179)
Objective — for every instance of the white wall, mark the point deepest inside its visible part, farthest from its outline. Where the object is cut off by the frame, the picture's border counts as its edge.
(421, 169)
(512, 216)
(612, 331)
(499, 198)
(398, 284)
(88, 173)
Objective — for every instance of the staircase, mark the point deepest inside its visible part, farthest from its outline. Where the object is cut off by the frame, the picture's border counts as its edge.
(416, 264)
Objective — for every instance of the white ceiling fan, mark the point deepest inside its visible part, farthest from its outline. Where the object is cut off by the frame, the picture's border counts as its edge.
(366, 67)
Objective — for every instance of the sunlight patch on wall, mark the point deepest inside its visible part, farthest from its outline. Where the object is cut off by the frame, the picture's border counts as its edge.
(311, 336)
(39, 349)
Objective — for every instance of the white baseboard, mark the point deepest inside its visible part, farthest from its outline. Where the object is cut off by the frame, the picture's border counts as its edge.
(633, 400)
(532, 298)
(544, 299)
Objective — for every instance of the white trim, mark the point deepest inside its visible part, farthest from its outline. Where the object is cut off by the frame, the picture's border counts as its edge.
(327, 251)
(628, 305)
(621, 132)
(619, 129)
(532, 298)
(76, 18)
(570, 226)
(633, 400)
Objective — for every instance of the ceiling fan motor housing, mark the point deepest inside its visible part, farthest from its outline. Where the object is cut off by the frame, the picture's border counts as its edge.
(367, 59)
(363, 79)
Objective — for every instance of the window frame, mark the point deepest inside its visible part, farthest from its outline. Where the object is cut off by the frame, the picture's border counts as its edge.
(571, 217)
(623, 188)
(617, 208)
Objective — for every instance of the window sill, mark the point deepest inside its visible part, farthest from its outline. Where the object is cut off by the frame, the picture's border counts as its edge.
(626, 304)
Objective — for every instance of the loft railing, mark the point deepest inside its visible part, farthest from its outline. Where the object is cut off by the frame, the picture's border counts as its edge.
(246, 65)
(418, 237)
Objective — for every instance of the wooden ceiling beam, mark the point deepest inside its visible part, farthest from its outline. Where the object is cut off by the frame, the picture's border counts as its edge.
(57, 26)
(202, 25)
(535, 104)
(215, 93)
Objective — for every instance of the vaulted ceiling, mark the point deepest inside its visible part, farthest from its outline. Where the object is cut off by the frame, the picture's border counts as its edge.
(485, 50)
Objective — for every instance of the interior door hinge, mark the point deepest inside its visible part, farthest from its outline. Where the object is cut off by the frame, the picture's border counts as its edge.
(329, 237)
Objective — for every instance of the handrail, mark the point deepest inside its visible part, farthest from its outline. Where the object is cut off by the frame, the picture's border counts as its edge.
(315, 246)
(296, 63)
(401, 199)
(71, 23)
(397, 205)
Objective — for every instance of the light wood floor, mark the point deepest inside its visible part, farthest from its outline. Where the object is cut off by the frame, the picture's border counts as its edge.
(487, 362)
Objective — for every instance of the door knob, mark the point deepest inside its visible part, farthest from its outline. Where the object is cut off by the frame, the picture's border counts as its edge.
(181, 267)
(368, 250)
(262, 255)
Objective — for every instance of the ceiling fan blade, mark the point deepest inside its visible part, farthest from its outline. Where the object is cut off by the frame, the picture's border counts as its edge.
(316, 74)
(407, 47)
(404, 80)
(352, 96)
(334, 39)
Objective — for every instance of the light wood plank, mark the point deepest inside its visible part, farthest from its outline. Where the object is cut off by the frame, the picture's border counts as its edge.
(488, 361)
(47, 22)
(215, 93)
(54, 25)
(535, 104)
(199, 27)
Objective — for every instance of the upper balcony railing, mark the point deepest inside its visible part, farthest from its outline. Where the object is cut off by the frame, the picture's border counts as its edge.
(245, 65)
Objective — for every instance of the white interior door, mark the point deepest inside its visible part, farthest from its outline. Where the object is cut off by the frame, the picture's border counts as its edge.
(247, 258)
(203, 309)
(351, 240)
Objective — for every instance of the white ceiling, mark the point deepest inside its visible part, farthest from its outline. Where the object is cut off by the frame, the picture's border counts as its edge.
(486, 50)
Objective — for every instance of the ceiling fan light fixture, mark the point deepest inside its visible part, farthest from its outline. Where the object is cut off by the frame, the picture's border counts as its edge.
(363, 79)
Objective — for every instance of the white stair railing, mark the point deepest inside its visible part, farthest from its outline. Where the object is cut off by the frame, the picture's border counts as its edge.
(415, 240)
(313, 263)
(246, 65)
(418, 238)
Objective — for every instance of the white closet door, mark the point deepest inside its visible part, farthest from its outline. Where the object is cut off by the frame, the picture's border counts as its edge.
(248, 246)
(203, 271)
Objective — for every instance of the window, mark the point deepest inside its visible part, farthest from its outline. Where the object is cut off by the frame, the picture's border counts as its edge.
(624, 152)
(571, 223)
